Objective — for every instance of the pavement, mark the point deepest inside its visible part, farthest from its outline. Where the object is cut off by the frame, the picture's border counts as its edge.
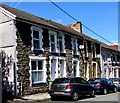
(32, 98)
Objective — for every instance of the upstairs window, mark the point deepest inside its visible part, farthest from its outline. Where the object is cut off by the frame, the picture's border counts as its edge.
(75, 49)
(52, 38)
(36, 38)
(53, 41)
(61, 43)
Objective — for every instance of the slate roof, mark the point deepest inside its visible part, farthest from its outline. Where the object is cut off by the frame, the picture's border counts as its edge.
(48, 23)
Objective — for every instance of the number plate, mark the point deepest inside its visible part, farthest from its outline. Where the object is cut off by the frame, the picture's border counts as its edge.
(58, 92)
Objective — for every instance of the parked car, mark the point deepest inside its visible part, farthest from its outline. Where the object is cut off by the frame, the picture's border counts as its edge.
(91, 80)
(116, 81)
(103, 85)
(71, 87)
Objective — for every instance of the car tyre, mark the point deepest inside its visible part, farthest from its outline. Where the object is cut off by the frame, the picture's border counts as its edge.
(75, 96)
(115, 90)
(104, 91)
(93, 93)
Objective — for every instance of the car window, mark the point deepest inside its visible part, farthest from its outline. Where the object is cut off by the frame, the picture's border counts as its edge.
(109, 81)
(77, 80)
(80, 80)
(97, 80)
(84, 81)
(72, 80)
(61, 80)
(105, 81)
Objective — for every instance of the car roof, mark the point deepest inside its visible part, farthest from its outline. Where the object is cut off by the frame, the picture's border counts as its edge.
(69, 77)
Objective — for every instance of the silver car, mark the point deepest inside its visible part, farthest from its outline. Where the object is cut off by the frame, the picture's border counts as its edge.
(72, 87)
(116, 81)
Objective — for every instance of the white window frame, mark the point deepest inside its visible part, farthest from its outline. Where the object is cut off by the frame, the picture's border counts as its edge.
(56, 69)
(37, 58)
(76, 46)
(64, 68)
(63, 43)
(55, 40)
(40, 37)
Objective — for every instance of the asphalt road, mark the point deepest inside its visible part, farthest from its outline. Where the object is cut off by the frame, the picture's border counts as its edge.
(110, 98)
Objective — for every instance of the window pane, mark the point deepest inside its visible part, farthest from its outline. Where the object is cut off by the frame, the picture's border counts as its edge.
(52, 38)
(52, 47)
(40, 76)
(40, 65)
(36, 44)
(60, 46)
(34, 77)
(33, 65)
(35, 34)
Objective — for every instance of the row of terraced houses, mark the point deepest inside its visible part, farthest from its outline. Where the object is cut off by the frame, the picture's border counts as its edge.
(35, 50)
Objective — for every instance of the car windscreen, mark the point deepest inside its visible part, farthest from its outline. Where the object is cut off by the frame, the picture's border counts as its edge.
(61, 80)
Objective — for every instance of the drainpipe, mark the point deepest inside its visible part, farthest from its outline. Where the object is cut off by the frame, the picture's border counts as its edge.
(0, 78)
(15, 80)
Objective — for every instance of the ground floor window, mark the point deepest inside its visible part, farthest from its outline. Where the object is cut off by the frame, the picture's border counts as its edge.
(37, 70)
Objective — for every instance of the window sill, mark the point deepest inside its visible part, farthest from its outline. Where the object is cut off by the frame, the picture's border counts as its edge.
(36, 51)
(39, 83)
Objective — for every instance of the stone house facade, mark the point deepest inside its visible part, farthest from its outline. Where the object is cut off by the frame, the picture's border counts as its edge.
(43, 50)
(110, 62)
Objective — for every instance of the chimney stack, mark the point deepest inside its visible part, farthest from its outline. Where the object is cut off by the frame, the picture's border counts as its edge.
(76, 26)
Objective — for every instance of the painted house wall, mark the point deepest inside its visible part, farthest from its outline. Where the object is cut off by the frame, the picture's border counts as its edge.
(110, 67)
(7, 44)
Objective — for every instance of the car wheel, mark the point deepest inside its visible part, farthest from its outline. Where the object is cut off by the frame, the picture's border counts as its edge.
(92, 94)
(104, 91)
(75, 96)
(115, 90)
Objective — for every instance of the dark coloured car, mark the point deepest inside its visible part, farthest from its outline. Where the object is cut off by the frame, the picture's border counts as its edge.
(116, 81)
(70, 87)
(103, 85)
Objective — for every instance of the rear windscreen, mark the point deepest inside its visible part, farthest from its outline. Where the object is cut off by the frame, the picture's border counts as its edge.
(115, 79)
(61, 80)
(97, 80)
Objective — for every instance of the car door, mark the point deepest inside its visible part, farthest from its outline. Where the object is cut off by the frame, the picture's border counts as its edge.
(87, 87)
(110, 85)
(80, 86)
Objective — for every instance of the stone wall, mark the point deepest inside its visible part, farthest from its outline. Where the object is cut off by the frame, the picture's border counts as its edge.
(69, 55)
(23, 52)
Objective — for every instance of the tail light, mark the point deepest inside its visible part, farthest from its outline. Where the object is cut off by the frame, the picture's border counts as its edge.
(98, 85)
(68, 86)
(51, 86)
(119, 83)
